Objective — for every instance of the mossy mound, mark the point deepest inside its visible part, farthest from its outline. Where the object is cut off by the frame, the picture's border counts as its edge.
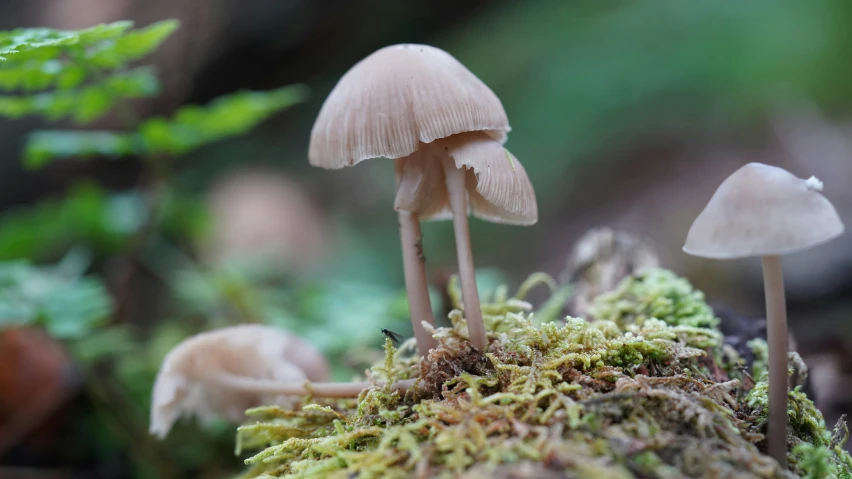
(645, 389)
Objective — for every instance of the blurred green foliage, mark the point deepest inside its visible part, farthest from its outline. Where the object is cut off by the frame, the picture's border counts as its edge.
(84, 76)
(66, 303)
(582, 80)
(191, 128)
(85, 104)
(343, 318)
(81, 74)
(89, 217)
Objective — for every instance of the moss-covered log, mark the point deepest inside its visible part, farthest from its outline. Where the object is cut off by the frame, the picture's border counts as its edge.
(644, 388)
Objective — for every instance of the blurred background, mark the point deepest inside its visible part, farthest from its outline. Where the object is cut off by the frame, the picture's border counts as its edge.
(624, 114)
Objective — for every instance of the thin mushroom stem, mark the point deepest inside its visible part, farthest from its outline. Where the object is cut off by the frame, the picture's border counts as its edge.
(328, 390)
(414, 265)
(776, 324)
(455, 179)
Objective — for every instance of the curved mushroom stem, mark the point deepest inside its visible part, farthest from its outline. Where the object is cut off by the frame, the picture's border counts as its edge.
(328, 390)
(776, 332)
(414, 264)
(455, 179)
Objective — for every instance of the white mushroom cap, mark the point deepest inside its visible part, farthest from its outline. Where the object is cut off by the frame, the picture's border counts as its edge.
(763, 210)
(186, 383)
(498, 188)
(397, 98)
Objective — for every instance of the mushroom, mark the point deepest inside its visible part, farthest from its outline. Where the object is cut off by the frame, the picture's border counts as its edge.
(223, 372)
(259, 214)
(445, 130)
(766, 211)
(195, 374)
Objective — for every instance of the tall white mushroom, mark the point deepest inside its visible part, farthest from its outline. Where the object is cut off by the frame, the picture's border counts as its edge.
(445, 129)
(766, 211)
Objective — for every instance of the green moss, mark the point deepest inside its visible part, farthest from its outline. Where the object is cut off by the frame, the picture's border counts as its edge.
(760, 348)
(633, 393)
(821, 462)
(816, 451)
(660, 294)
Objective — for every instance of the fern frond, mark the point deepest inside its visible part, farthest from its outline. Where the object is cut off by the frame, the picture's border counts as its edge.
(191, 127)
(36, 75)
(48, 145)
(86, 104)
(47, 43)
(39, 59)
(132, 46)
(195, 126)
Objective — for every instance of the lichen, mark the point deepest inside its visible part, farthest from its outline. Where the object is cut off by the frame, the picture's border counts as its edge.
(635, 391)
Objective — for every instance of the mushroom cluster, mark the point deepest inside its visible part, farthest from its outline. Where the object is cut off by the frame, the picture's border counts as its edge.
(445, 130)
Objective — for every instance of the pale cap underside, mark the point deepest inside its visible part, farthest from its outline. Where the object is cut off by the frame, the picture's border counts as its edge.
(499, 190)
(397, 98)
(763, 210)
(185, 384)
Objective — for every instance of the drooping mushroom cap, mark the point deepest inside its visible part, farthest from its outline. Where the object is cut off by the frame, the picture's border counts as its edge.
(397, 98)
(763, 210)
(498, 188)
(185, 384)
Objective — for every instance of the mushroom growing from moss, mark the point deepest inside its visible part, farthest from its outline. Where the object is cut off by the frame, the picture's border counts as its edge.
(223, 372)
(766, 211)
(445, 128)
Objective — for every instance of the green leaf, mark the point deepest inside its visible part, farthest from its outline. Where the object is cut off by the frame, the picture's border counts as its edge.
(84, 105)
(43, 147)
(66, 304)
(135, 83)
(37, 75)
(33, 43)
(44, 43)
(132, 46)
(104, 31)
(65, 59)
(193, 127)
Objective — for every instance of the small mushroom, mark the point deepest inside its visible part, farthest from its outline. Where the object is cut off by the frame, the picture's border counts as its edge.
(766, 211)
(222, 373)
(445, 129)
(195, 376)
